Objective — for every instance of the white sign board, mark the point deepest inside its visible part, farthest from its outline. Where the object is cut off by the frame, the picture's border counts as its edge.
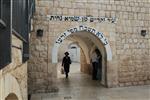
(81, 19)
(100, 35)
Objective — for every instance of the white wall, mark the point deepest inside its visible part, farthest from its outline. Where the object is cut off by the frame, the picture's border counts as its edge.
(74, 51)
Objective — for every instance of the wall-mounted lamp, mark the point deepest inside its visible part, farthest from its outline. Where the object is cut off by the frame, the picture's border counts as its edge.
(143, 33)
(39, 33)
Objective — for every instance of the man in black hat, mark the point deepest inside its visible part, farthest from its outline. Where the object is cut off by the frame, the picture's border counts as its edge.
(66, 63)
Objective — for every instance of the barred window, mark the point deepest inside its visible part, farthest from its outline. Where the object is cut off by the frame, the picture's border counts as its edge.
(21, 24)
(20, 18)
(22, 12)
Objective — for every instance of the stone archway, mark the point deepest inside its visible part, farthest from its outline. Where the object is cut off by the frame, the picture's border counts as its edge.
(81, 28)
(97, 37)
(11, 96)
(10, 88)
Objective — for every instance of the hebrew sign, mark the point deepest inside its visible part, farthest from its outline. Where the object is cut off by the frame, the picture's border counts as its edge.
(100, 35)
(81, 19)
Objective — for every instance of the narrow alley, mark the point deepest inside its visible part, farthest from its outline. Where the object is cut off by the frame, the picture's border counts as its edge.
(80, 86)
(105, 43)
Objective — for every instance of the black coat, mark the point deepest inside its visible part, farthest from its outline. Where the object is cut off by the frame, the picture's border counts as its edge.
(66, 63)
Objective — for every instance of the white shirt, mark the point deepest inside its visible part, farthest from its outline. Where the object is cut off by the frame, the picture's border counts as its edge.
(94, 57)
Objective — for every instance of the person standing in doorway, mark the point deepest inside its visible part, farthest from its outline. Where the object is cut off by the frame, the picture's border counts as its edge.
(66, 63)
(99, 69)
(94, 61)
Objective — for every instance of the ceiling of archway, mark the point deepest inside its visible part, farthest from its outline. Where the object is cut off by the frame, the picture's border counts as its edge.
(89, 39)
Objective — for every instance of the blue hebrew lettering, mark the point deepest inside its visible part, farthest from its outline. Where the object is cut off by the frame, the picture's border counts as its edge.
(65, 34)
(100, 35)
(60, 40)
(72, 30)
(76, 18)
(91, 19)
(93, 31)
(75, 30)
(89, 29)
(105, 42)
(81, 27)
(84, 19)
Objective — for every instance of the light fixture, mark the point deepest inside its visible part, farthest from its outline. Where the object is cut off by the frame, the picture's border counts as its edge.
(39, 33)
(143, 33)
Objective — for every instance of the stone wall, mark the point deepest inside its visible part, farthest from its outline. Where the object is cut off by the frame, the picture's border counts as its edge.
(85, 68)
(130, 50)
(13, 78)
(41, 73)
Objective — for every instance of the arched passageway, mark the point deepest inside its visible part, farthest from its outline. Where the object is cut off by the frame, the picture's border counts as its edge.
(99, 37)
(11, 96)
(88, 39)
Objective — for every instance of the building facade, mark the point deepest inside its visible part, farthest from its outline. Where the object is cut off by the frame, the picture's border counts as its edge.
(15, 18)
(118, 28)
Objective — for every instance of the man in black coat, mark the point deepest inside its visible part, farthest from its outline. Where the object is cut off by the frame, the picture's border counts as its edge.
(66, 63)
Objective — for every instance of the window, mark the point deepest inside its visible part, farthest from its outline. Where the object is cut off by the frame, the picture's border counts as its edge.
(20, 19)
(5, 34)
(22, 12)
(20, 24)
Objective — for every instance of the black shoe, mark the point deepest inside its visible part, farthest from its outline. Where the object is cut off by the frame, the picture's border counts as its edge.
(67, 76)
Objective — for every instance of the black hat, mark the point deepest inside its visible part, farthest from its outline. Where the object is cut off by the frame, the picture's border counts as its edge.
(66, 53)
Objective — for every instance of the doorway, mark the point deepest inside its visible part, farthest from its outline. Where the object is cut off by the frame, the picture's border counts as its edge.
(74, 54)
(11, 97)
(81, 61)
(87, 38)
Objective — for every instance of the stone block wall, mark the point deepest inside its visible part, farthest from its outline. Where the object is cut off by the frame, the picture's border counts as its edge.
(85, 68)
(13, 78)
(131, 51)
(133, 48)
(41, 73)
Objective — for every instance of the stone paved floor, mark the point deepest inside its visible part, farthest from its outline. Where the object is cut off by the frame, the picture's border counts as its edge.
(80, 87)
